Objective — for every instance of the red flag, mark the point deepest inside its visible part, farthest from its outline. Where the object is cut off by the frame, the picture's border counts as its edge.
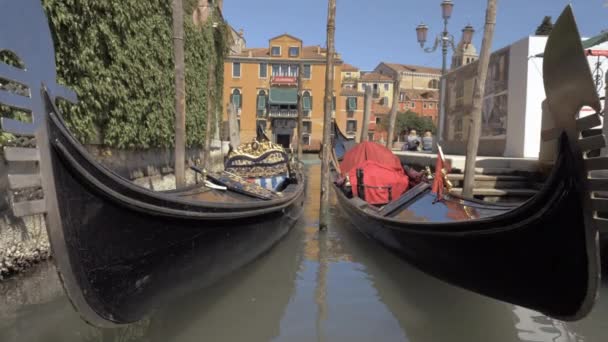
(438, 185)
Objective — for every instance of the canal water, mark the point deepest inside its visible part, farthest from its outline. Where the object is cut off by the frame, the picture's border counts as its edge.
(313, 286)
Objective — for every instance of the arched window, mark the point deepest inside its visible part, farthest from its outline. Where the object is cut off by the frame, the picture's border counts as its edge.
(236, 99)
(261, 104)
(306, 103)
(434, 84)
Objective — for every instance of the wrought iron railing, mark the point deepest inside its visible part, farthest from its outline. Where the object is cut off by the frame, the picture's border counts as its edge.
(283, 113)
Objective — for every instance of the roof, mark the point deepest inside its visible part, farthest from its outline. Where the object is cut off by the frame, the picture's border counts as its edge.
(412, 68)
(379, 109)
(347, 67)
(351, 92)
(308, 52)
(286, 35)
(420, 94)
(374, 76)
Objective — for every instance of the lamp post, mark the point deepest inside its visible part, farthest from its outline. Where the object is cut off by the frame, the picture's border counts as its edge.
(445, 40)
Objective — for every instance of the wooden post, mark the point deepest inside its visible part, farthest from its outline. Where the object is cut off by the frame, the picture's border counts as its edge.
(604, 118)
(366, 114)
(393, 116)
(210, 116)
(180, 93)
(300, 111)
(233, 126)
(478, 92)
(329, 87)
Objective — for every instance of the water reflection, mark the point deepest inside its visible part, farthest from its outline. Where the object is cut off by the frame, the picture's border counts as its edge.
(313, 286)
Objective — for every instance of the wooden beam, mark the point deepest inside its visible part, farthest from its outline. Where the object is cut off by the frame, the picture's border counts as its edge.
(29, 208)
(300, 110)
(233, 126)
(24, 181)
(393, 115)
(210, 114)
(180, 93)
(329, 87)
(366, 114)
(18, 127)
(478, 93)
(21, 154)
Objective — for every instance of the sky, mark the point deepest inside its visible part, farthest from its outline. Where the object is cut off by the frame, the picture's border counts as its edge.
(372, 31)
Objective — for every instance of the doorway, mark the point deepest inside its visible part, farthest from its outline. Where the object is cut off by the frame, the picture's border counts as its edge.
(284, 140)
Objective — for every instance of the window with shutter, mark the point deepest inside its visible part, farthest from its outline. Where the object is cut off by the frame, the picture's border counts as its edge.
(306, 103)
(236, 70)
(236, 98)
(261, 102)
(263, 70)
(351, 126)
(333, 103)
(307, 71)
(352, 103)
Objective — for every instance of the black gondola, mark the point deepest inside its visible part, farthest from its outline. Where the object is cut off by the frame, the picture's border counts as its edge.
(120, 249)
(541, 255)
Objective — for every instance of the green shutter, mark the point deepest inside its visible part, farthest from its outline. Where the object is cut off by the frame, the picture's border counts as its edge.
(333, 103)
(306, 103)
(261, 102)
(352, 103)
(236, 99)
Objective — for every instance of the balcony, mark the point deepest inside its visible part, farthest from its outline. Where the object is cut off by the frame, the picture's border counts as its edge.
(283, 113)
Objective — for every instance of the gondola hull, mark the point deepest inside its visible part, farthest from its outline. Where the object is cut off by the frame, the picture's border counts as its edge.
(540, 263)
(542, 255)
(122, 250)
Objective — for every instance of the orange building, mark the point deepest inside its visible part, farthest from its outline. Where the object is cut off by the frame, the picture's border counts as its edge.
(262, 84)
(423, 102)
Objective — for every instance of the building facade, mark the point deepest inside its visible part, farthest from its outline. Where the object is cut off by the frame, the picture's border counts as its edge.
(382, 87)
(419, 87)
(411, 76)
(262, 83)
(423, 102)
(512, 116)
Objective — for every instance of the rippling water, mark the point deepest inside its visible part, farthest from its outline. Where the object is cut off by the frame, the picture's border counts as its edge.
(313, 286)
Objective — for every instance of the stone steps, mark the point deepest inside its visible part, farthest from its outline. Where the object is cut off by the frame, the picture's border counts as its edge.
(498, 192)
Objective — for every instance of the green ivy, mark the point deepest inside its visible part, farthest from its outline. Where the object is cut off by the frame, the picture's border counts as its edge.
(118, 57)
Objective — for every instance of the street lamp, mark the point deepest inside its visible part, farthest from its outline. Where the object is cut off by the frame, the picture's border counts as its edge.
(445, 39)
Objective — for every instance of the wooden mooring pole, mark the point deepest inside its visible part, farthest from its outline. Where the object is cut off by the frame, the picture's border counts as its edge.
(393, 116)
(180, 93)
(210, 116)
(478, 93)
(329, 87)
(233, 126)
(366, 114)
(300, 111)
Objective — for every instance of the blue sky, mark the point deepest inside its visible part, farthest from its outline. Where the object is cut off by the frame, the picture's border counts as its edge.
(370, 31)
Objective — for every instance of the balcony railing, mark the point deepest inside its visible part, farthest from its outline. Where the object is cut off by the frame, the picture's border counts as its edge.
(283, 113)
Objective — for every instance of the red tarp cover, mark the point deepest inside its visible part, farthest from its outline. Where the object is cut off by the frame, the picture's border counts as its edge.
(379, 175)
(369, 151)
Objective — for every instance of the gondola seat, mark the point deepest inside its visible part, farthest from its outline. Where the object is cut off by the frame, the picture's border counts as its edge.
(263, 163)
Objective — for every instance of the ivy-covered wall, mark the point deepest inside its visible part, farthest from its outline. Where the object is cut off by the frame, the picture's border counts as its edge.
(118, 57)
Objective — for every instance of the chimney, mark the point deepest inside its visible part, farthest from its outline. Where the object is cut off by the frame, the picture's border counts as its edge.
(318, 49)
(250, 53)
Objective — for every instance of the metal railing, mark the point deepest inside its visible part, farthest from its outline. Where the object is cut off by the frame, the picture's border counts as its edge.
(289, 113)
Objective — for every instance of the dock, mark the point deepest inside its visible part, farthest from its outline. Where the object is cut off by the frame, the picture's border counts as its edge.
(497, 178)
